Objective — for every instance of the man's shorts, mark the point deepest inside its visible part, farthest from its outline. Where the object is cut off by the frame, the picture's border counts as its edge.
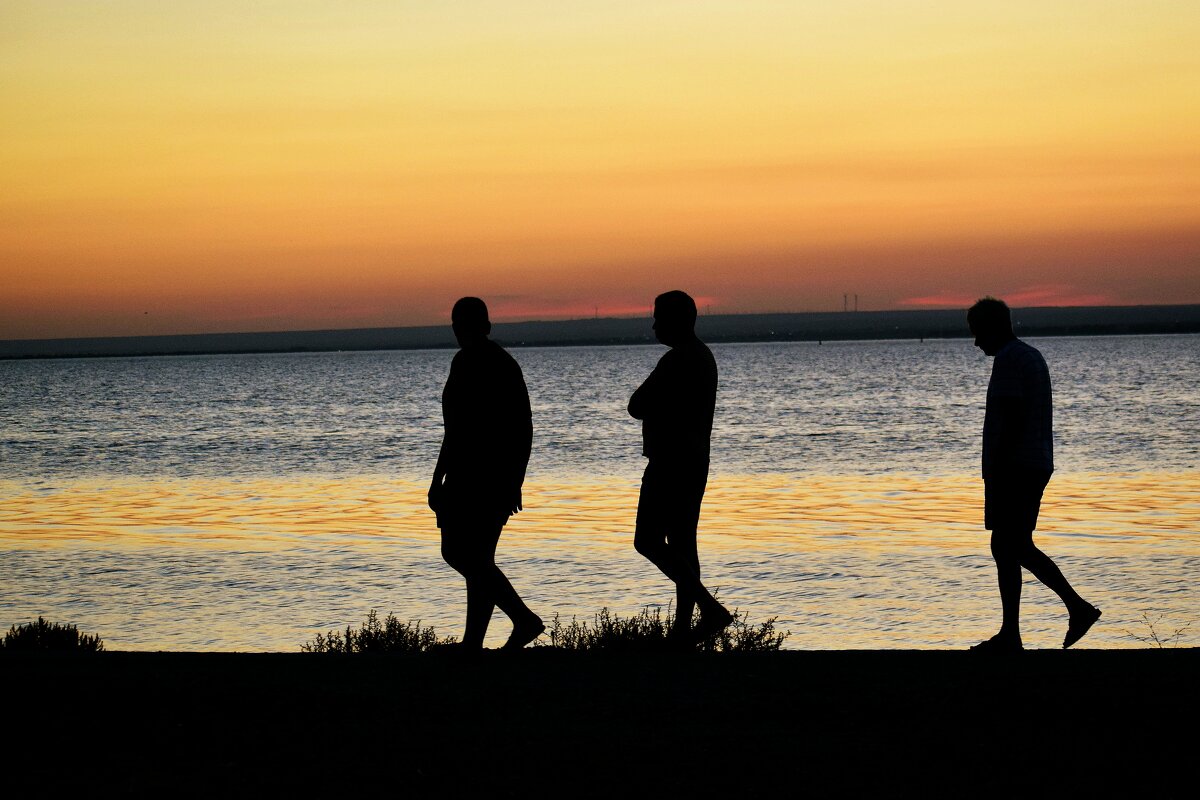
(669, 504)
(1012, 501)
(472, 504)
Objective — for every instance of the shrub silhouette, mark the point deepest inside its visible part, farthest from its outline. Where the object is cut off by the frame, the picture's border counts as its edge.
(649, 631)
(389, 636)
(1159, 639)
(645, 632)
(43, 635)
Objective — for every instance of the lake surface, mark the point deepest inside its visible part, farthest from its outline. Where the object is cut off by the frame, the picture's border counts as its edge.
(248, 502)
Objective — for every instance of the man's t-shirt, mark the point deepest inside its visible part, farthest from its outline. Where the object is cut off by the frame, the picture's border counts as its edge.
(1018, 425)
(676, 404)
(485, 408)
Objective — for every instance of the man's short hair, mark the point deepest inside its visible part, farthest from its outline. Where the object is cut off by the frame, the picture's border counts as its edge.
(677, 305)
(471, 313)
(989, 315)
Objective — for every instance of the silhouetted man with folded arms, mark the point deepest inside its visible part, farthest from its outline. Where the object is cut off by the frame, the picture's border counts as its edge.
(1018, 457)
(675, 405)
(480, 469)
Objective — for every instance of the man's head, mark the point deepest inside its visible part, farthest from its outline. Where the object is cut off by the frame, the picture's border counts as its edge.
(674, 317)
(469, 318)
(991, 324)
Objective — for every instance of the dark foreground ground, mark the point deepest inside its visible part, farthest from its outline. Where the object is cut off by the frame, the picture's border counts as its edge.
(547, 723)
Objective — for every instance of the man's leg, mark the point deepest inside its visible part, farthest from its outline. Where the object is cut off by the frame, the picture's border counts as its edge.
(686, 554)
(681, 538)
(1008, 577)
(1046, 571)
(1001, 501)
(473, 553)
(463, 554)
(527, 625)
(654, 548)
(689, 591)
(1083, 614)
(1013, 550)
(665, 534)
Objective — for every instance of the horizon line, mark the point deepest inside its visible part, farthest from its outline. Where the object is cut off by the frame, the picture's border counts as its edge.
(564, 320)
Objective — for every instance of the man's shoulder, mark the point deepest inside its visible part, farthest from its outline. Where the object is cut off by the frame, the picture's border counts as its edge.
(491, 352)
(695, 354)
(1029, 358)
(1022, 347)
(507, 368)
(1018, 354)
(494, 350)
(488, 357)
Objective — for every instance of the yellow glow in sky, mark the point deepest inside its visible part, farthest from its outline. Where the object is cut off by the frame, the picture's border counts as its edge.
(229, 166)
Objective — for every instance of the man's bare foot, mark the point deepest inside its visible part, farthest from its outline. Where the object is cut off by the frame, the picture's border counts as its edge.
(525, 632)
(999, 644)
(1081, 622)
(711, 623)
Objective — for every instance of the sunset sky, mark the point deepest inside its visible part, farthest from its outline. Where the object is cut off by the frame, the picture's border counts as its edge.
(230, 166)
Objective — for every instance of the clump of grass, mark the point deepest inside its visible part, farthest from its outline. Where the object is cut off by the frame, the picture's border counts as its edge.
(1154, 637)
(646, 631)
(43, 635)
(649, 631)
(742, 637)
(389, 636)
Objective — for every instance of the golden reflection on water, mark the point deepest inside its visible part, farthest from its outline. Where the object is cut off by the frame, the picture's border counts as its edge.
(889, 561)
(793, 513)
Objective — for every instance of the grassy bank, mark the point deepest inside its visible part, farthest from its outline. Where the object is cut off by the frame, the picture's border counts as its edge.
(541, 722)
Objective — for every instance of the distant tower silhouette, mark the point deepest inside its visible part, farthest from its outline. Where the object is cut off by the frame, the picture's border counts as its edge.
(845, 302)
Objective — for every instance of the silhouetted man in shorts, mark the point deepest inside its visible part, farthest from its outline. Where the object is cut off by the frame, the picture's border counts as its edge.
(675, 405)
(480, 469)
(1018, 457)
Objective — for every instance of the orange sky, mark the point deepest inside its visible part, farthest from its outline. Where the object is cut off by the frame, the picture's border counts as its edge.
(224, 166)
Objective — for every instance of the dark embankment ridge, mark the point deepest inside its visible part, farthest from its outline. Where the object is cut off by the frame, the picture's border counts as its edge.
(927, 324)
(542, 723)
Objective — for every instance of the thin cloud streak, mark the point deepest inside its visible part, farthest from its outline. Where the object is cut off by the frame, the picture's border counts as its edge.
(1058, 295)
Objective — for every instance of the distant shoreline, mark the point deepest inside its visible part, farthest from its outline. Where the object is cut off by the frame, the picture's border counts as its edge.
(715, 329)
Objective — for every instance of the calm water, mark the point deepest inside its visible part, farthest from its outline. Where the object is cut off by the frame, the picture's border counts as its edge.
(247, 502)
